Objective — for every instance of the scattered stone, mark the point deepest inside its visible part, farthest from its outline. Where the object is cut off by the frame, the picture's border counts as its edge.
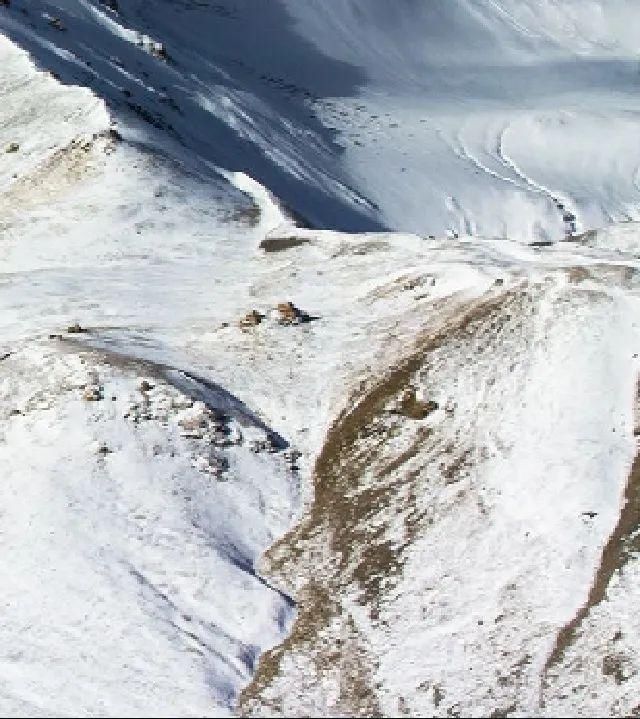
(56, 24)
(220, 436)
(413, 408)
(12, 147)
(258, 446)
(614, 665)
(157, 49)
(114, 135)
(92, 393)
(182, 402)
(213, 464)
(251, 319)
(76, 329)
(192, 429)
(194, 421)
(218, 465)
(234, 435)
(291, 457)
(289, 314)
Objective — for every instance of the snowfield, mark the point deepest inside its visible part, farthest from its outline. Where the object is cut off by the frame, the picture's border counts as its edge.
(319, 341)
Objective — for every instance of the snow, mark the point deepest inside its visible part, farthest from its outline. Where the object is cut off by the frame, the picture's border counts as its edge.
(540, 430)
(143, 603)
(533, 434)
(476, 115)
(134, 516)
(454, 116)
(130, 587)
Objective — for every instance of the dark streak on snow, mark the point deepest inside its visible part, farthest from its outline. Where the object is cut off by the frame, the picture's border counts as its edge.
(614, 556)
(176, 618)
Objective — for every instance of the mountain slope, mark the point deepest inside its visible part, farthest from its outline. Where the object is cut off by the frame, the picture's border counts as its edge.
(468, 116)
(447, 549)
(254, 467)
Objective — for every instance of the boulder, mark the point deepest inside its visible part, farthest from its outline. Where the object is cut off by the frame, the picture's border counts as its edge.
(56, 24)
(92, 393)
(251, 319)
(413, 408)
(289, 314)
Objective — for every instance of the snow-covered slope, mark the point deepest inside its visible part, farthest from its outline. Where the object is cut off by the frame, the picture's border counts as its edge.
(459, 116)
(437, 454)
(480, 116)
(472, 547)
(128, 582)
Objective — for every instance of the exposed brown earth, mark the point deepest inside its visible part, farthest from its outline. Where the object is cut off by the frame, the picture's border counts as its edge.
(56, 175)
(339, 544)
(623, 541)
(279, 244)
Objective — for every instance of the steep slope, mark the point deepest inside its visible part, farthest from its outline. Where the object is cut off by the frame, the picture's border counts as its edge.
(127, 580)
(487, 117)
(462, 504)
(199, 80)
(435, 444)
(458, 116)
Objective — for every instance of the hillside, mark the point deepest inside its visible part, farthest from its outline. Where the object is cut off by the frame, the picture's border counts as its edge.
(319, 358)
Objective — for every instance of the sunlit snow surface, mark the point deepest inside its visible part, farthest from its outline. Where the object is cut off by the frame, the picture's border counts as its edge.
(130, 585)
(131, 522)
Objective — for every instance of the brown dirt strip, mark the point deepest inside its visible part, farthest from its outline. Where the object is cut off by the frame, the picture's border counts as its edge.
(614, 556)
(353, 446)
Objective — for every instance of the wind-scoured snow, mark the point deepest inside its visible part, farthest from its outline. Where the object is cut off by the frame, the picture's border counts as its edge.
(436, 451)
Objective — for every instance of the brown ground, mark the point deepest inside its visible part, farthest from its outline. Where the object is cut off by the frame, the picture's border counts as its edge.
(337, 544)
(279, 244)
(615, 555)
